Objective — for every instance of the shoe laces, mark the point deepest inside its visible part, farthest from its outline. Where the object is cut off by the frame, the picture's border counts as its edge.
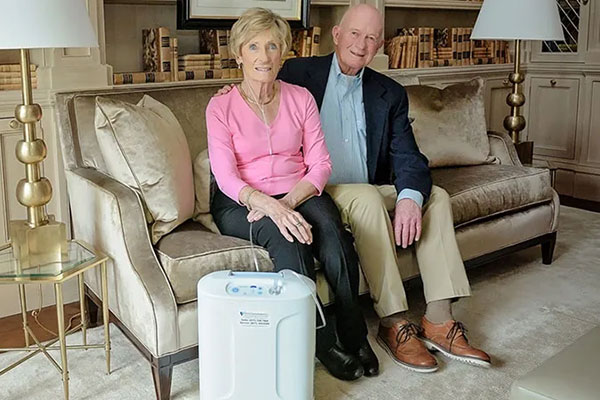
(405, 332)
(457, 330)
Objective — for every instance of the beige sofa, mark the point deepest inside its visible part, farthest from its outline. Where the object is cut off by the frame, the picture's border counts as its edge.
(497, 209)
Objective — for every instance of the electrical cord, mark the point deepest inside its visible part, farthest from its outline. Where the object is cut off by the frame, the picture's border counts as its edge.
(36, 313)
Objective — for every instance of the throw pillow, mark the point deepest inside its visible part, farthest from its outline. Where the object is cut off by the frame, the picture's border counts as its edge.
(449, 124)
(202, 187)
(145, 148)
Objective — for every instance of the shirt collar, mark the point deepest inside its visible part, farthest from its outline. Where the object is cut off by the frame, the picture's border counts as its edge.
(338, 72)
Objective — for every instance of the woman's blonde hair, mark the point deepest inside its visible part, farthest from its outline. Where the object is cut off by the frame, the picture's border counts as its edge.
(257, 20)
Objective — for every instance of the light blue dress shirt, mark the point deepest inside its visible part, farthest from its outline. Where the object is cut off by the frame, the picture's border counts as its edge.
(345, 127)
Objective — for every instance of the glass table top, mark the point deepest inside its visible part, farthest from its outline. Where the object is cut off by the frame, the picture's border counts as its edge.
(77, 255)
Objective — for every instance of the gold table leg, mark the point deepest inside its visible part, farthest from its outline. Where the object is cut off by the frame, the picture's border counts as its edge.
(24, 313)
(82, 309)
(61, 335)
(105, 316)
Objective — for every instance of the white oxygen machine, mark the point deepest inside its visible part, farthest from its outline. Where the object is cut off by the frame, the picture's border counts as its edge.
(256, 336)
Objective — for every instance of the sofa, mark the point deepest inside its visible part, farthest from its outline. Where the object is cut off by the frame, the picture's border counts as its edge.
(498, 208)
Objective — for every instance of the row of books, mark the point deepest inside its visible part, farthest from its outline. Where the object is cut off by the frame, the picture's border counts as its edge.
(10, 76)
(125, 78)
(425, 47)
(213, 43)
(306, 42)
(162, 63)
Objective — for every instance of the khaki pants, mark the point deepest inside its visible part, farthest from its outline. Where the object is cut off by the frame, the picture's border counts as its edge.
(365, 209)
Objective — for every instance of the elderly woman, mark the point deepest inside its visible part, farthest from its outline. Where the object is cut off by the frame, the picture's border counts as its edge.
(270, 161)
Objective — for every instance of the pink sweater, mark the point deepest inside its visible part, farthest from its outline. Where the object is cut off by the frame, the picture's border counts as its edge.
(243, 153)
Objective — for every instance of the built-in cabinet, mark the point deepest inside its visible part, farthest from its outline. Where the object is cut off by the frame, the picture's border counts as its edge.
(563, 100)
(554, 132)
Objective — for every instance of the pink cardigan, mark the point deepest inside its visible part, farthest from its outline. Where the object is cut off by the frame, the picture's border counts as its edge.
(242, 153)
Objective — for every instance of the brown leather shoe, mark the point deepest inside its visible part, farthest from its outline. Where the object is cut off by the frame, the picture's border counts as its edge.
(401, 343)
(449, 339)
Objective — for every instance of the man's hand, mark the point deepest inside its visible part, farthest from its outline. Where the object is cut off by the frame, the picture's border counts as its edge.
(224, 90)
(407, 222)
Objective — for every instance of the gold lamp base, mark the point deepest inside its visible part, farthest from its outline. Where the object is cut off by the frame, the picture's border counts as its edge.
(40, 245)
(40, 239)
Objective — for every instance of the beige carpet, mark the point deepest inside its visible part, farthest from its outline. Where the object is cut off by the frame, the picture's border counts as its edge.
(522, 312)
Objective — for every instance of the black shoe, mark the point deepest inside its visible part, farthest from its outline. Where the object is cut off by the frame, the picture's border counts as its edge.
(340, 364)
(368, 359)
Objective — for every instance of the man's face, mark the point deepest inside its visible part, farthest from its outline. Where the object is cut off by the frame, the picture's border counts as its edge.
(357, 40)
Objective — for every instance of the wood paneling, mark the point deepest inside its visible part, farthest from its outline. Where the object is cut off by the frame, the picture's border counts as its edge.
(553, 115)
(591, 147)
(496, 108)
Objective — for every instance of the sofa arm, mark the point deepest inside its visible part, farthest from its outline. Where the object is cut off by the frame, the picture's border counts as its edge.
(109, 216)
(502, 147)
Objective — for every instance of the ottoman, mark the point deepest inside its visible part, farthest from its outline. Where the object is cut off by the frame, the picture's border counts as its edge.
(572, 374)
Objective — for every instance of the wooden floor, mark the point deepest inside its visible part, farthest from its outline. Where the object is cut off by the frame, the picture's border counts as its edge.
(11, 327)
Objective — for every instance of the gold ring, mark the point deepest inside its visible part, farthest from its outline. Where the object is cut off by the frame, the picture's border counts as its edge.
(298, 223)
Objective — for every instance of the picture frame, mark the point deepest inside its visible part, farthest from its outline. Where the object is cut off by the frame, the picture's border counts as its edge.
(221, 14)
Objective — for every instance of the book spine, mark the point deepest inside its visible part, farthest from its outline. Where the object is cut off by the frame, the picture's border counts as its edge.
(15, 86)
(223, 51)
(403, 52)
(164, 41)
(396, 50)
(140, 77)
(15, 67)
(15, 75)
(207, 63)
(174, 59)
(304, 50)
(15, 80)
(421, 48)
(200, 58)
(197, 75)
(315, 35)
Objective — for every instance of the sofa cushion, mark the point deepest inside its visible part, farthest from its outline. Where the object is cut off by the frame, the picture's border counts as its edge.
(192, 251)
(145, 148)
(449, 124)
(483, 191)
(203, 189)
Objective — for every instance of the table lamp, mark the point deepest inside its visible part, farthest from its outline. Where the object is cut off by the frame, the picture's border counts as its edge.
(517, 20)
(35, 24)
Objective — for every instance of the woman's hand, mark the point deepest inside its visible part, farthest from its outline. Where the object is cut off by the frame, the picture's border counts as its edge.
(224, 90)
(255, 215)
(290, 223)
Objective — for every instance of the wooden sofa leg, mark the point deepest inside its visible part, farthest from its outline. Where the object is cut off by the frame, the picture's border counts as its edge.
(162, 372)
(548, 249)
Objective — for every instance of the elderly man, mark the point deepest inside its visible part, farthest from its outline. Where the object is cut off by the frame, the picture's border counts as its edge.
(364, 115)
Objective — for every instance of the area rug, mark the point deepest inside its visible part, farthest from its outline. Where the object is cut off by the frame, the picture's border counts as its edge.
(521, 312)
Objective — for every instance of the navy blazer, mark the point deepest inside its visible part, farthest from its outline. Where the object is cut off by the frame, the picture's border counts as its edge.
(392, 152)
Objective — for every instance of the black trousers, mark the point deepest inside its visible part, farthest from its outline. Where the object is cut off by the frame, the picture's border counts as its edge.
(332, 245)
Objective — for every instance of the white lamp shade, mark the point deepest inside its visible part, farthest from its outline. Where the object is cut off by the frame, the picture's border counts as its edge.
(518, 19)
(32, 24)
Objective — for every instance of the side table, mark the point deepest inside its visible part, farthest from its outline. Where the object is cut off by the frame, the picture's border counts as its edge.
(81, 257)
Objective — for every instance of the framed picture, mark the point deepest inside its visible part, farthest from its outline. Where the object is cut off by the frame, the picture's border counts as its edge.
(198, 14)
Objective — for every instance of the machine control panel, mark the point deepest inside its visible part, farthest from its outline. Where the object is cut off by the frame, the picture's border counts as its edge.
(252, 290)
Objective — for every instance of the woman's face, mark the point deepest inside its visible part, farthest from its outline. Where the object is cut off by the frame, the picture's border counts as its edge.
(261, 57)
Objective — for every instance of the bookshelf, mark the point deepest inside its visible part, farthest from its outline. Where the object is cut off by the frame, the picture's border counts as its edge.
(434, 4)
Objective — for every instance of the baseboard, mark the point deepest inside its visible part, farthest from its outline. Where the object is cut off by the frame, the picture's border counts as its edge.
(580, 203)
